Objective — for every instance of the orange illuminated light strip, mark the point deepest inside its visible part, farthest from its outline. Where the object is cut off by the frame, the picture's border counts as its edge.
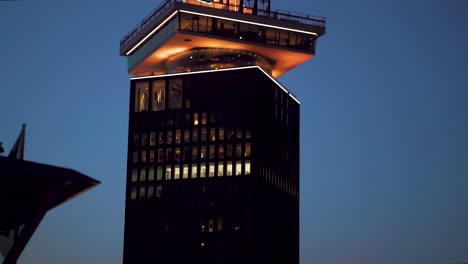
(249, 22)
(152, 32)
(230, 69)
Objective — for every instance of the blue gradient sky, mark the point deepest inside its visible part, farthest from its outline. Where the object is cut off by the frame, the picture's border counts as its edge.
(384, 125)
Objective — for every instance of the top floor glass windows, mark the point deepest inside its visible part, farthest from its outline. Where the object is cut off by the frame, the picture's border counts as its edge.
(158, 95)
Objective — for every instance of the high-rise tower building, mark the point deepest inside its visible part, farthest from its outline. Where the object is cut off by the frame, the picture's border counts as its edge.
(213, 148)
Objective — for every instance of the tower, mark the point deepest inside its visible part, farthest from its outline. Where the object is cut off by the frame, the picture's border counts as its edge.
(213, 147)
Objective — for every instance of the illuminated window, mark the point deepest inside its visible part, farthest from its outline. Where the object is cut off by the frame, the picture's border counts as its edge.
(211, 226)
(212, 134)
(247, 150)
(238, 150)
(221, 152)
(159, 190)
(239, 134)
(141, 96)
(152, 138)
(169, 137)
(186, 136)
(168, 173)
(185, 172)
(203, 171)
(159, 173)
(204, 118)
(195, 119)
(159, 92)
(194, 171)
(221, 133)
(133, 193)
(151, 174)
(175, 94)
(176, 172)
(177, 136)
(151, 155)
(161, 138)
(150, 191)
(212, 170)
(143, 156)
(203, 153)
(142, 192)
(212, 152)
(177, 154)
(220, 224)
(229, 168)
(229, 134)
(143, 175)
(136, 139)
(220, 169)
(238, 168)
(203, 134)
(135, 156)
(134, 175)
(194, 153)
(160, 155)
(247, 167)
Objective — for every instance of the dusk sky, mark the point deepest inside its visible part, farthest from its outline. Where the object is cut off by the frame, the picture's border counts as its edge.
(384, 125)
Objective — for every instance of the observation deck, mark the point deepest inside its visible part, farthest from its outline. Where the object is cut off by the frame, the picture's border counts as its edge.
(213, 34)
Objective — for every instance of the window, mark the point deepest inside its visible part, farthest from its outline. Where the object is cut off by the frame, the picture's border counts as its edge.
(203, 171)
(134, 175)
(169, 156)
(136, 139)
(221, 133)
(168, 173)
(151, 155)
(185, 172)
(142, 191)
(177, 136)
(141, 96)
(203, 134)
(175, 94)
(248, 134)
(151, 174)
(186, 136)
(143, 139)
(133, 193)
(220, 169)
(160, 155)
(239, 134)
(159, 190)
(135, 156)
(212, 170)
(186, 154)
(220, 224)
(247, 150)
(194, 153)
(169, 137)
(247, 167)
(238, 168)
(204, 118)
(211, 226)
(194, 171)
(159, 91)
(221, 152)
(212, 152)
(195, 135)
(212, 134)
(152, 138)
(195, 119)
(176, 172)
(143, 175)
(150, 191)
(177, 154)
(159, 173)
(229, 151)
(238, 150)
(161, 138)
(229, 168)
(143, 156)
(203, 153)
